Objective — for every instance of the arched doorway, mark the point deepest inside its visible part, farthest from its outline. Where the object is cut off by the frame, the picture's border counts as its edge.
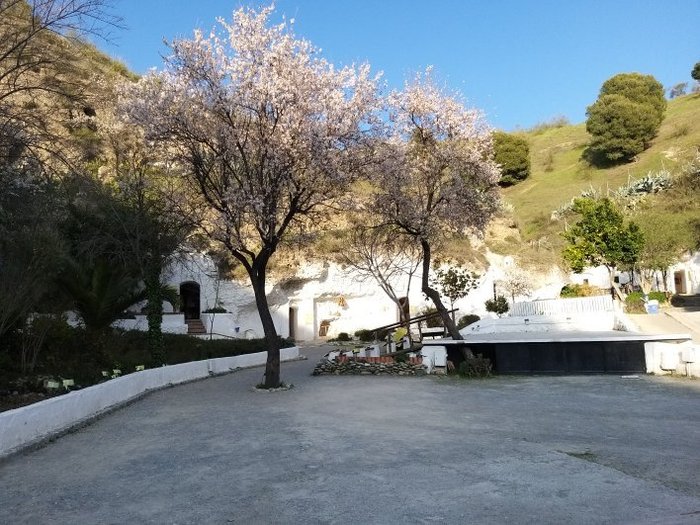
(190, 299)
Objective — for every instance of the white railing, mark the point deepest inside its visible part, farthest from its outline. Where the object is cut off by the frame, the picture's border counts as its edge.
(574, 306)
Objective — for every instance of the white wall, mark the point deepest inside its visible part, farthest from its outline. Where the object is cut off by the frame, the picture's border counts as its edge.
(691, 274)
(24, 426)
(172, 323)
(315, 291)
(671, 358)
(597, 276)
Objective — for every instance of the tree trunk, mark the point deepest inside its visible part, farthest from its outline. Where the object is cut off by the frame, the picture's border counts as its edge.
(272, 366)
(154, 313)
(434, 296)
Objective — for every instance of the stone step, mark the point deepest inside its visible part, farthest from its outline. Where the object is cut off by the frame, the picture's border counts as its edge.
(195, 327)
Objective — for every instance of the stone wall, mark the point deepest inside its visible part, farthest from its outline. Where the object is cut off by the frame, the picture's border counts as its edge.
(370, 366)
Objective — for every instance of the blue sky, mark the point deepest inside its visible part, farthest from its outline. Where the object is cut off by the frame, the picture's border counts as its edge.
(521, 62)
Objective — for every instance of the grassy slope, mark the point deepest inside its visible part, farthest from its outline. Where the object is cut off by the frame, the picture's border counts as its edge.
(559, 174)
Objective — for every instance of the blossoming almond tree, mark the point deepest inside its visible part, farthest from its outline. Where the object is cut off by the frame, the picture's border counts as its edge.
(269, 132)
(439, 175)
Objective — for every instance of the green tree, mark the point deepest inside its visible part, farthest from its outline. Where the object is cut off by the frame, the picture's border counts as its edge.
(454, 283)
(619, 128)
(625, 118)
(642, 89)
(131, 224)
(29, 244)
(512, 154)
(498, 305)
(601, 237)
(666, 237)
(151, 212)
(695, 73)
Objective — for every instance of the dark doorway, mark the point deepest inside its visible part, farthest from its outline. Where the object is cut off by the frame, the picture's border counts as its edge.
(323, 329)
(679, 281)
(292, 323)
(189, 299)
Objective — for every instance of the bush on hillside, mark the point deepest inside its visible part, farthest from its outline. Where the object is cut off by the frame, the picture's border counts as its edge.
(512, 154)
(625, 118)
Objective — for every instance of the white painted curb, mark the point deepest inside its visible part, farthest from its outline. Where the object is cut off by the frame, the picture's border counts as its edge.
(25, 426)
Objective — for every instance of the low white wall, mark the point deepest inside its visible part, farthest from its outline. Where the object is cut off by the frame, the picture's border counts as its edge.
(24, 426)
(172, 323)
(672, 358)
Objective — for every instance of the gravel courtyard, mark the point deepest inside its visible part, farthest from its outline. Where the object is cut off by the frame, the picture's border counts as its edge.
(364, 449)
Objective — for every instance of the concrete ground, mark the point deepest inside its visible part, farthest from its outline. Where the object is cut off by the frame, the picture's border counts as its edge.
(363, 449)
(670, 321)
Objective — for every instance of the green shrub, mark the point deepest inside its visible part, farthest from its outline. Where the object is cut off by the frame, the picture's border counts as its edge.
(365, 335)
(658, 296)
(82, 355)
(625, 118)
(466, 320)
(512, 154)
(215, 310)
(343, 336)
(581, 290)
(634, 303)
(477, 366)
(499, 305)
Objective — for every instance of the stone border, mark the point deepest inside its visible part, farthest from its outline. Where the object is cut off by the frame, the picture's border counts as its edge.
(370, 366)
(37, 423)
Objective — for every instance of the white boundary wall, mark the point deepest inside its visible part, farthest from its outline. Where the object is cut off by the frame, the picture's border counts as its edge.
(172, 323)
(672, 358)
(24, 426)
